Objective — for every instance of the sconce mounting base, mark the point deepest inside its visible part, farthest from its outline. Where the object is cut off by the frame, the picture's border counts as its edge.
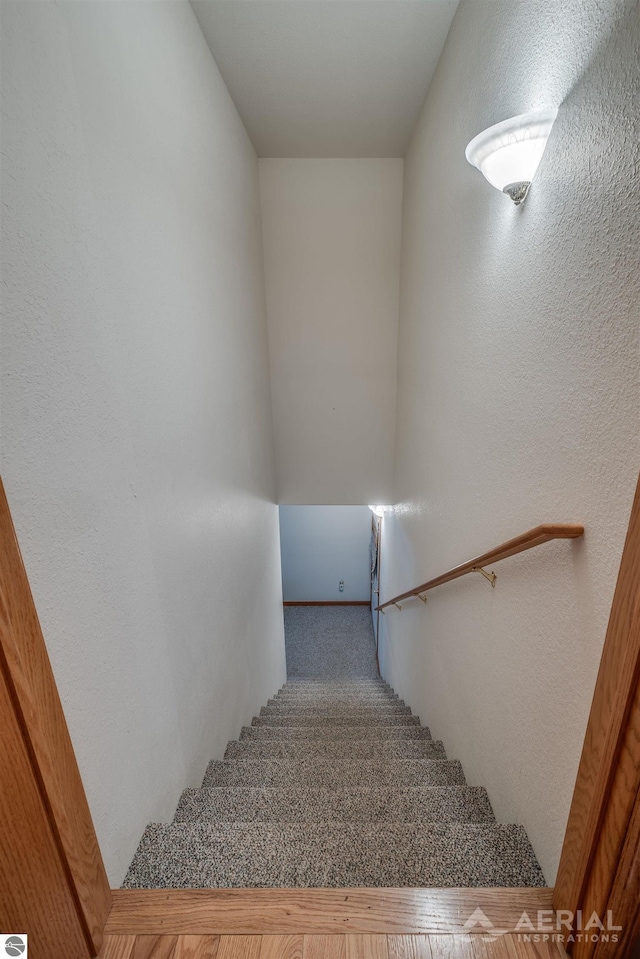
(517, 191)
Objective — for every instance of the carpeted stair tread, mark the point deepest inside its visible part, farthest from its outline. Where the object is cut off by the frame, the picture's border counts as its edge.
(335, 733)
(332, 749)
(329, 772)
(309, 682)
(376, 680)
(333, 695)
(350, 689)
(329, 700)
(199, 855)
(316, 804)
(345, 719)
(307, 695)
(358, 709)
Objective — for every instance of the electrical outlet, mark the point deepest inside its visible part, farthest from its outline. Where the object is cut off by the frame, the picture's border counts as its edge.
(341, 586)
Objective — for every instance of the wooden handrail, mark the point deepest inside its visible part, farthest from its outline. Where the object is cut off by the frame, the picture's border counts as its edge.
(533, 537)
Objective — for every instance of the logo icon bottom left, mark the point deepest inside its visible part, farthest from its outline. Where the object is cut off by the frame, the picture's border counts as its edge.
(15, 946)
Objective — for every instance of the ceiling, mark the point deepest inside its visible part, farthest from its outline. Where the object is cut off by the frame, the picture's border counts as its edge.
(327, 78)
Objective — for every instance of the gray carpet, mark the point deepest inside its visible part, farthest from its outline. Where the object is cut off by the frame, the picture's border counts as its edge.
(334, 733)
(319, 804)
(335, 784)
(197, 855)
(323, 772)
(338, 719)
(336, 749)
(330, 642)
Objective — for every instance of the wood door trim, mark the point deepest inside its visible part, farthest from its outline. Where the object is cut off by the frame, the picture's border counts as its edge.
(404, 911)
(35, 894)
(625, 890)
(26, 666)
(607, 779)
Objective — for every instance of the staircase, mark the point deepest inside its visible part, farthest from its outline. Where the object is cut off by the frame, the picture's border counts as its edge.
(334, 784)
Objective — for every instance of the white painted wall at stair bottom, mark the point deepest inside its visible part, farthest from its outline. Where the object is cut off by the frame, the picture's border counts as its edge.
(519, 397)
(331, 234)
(136, 428)
(321, 545)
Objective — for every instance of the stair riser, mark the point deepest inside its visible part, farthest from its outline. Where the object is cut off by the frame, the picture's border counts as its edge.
(316, 684)
(335, 733)
(328, 749)
(405, 772)
(327, 684)
(336, 689)
(297, 804)
(365, 686)
(342, 855)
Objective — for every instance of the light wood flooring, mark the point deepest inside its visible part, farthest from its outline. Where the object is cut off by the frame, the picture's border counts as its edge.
(326, 947)
(322, 924)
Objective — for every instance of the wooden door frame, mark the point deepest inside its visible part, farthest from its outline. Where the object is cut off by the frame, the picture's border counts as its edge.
(600, 862)
(76, 890)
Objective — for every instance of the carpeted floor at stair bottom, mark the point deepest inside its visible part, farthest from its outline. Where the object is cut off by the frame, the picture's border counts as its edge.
(334, 784)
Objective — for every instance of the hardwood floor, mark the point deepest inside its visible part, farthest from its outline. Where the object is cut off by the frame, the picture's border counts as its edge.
(317, 912)
(326, 947)
(352, 923)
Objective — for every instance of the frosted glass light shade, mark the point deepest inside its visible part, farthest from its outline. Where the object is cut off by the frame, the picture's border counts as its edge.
(509, 153)
(378, 510)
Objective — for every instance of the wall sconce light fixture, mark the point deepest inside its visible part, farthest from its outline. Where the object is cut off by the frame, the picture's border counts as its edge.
(509, 153)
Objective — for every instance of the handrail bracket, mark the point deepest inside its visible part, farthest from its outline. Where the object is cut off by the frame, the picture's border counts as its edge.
(423, 598)
(489, 576)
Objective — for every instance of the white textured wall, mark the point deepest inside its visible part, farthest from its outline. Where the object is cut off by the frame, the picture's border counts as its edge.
(321, 545)
(136, 432)
(519, 397)
(331, 232)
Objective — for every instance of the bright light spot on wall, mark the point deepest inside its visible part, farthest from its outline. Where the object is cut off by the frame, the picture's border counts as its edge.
(378, 510)
(509, 153)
